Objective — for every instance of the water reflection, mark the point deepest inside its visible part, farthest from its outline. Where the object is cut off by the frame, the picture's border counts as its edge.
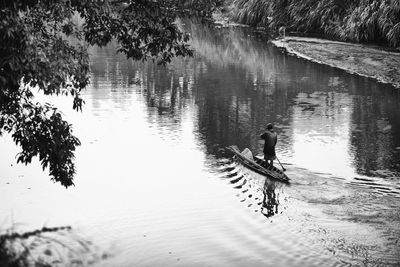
(375, 132)
(153, 142)
(327, 120)
(259, 193)
(271, 200)
(323, 115)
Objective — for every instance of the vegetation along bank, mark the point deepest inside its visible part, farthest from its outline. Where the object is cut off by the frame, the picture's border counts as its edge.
(370, 22)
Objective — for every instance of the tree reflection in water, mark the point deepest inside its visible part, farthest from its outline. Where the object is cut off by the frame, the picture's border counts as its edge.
(327, 120)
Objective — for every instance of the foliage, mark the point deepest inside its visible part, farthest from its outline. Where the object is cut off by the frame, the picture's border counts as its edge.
(15, 252)
(55, 246)
(42, 48)
(355, 20)
(253, 13)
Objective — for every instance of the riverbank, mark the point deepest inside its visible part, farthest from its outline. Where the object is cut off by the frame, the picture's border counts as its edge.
(360, 59)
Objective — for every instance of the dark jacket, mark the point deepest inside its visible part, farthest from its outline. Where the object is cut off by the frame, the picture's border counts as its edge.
(270, 138)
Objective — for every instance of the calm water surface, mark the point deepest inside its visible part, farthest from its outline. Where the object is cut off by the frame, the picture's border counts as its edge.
(156, 187)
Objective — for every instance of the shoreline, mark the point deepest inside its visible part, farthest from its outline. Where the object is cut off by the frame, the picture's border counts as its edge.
(360, 59)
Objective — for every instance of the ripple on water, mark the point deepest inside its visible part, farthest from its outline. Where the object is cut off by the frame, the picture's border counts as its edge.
(376, 185)
(272, 237)
(291, 235)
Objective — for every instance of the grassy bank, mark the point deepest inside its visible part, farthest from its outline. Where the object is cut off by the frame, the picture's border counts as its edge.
(369, 21)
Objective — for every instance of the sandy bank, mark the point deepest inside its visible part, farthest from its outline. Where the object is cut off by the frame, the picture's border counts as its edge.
(381, 65)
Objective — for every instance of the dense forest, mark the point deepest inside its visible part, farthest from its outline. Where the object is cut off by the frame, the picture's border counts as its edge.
(372, 21)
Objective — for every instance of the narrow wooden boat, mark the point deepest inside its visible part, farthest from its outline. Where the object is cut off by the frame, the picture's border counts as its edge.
(257, 164)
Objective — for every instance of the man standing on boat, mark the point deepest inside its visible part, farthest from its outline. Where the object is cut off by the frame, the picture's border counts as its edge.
(270, 138)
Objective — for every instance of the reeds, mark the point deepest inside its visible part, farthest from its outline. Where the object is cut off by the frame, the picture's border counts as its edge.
(376, 21)
(251, 12)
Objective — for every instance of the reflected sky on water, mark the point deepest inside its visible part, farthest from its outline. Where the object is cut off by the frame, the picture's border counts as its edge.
(156, 187)
(327, 120)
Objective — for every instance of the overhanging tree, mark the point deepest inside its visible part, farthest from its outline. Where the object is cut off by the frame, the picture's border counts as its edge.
(42, 49)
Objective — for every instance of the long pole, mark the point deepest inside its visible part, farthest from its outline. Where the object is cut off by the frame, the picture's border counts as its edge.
(283, 168)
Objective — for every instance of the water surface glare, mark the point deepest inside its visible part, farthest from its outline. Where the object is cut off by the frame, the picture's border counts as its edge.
(156, 187)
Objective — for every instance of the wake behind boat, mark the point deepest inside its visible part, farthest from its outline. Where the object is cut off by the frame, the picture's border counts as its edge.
(258, 164)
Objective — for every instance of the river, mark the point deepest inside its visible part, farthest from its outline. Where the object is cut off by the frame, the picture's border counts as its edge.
(155, 185)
